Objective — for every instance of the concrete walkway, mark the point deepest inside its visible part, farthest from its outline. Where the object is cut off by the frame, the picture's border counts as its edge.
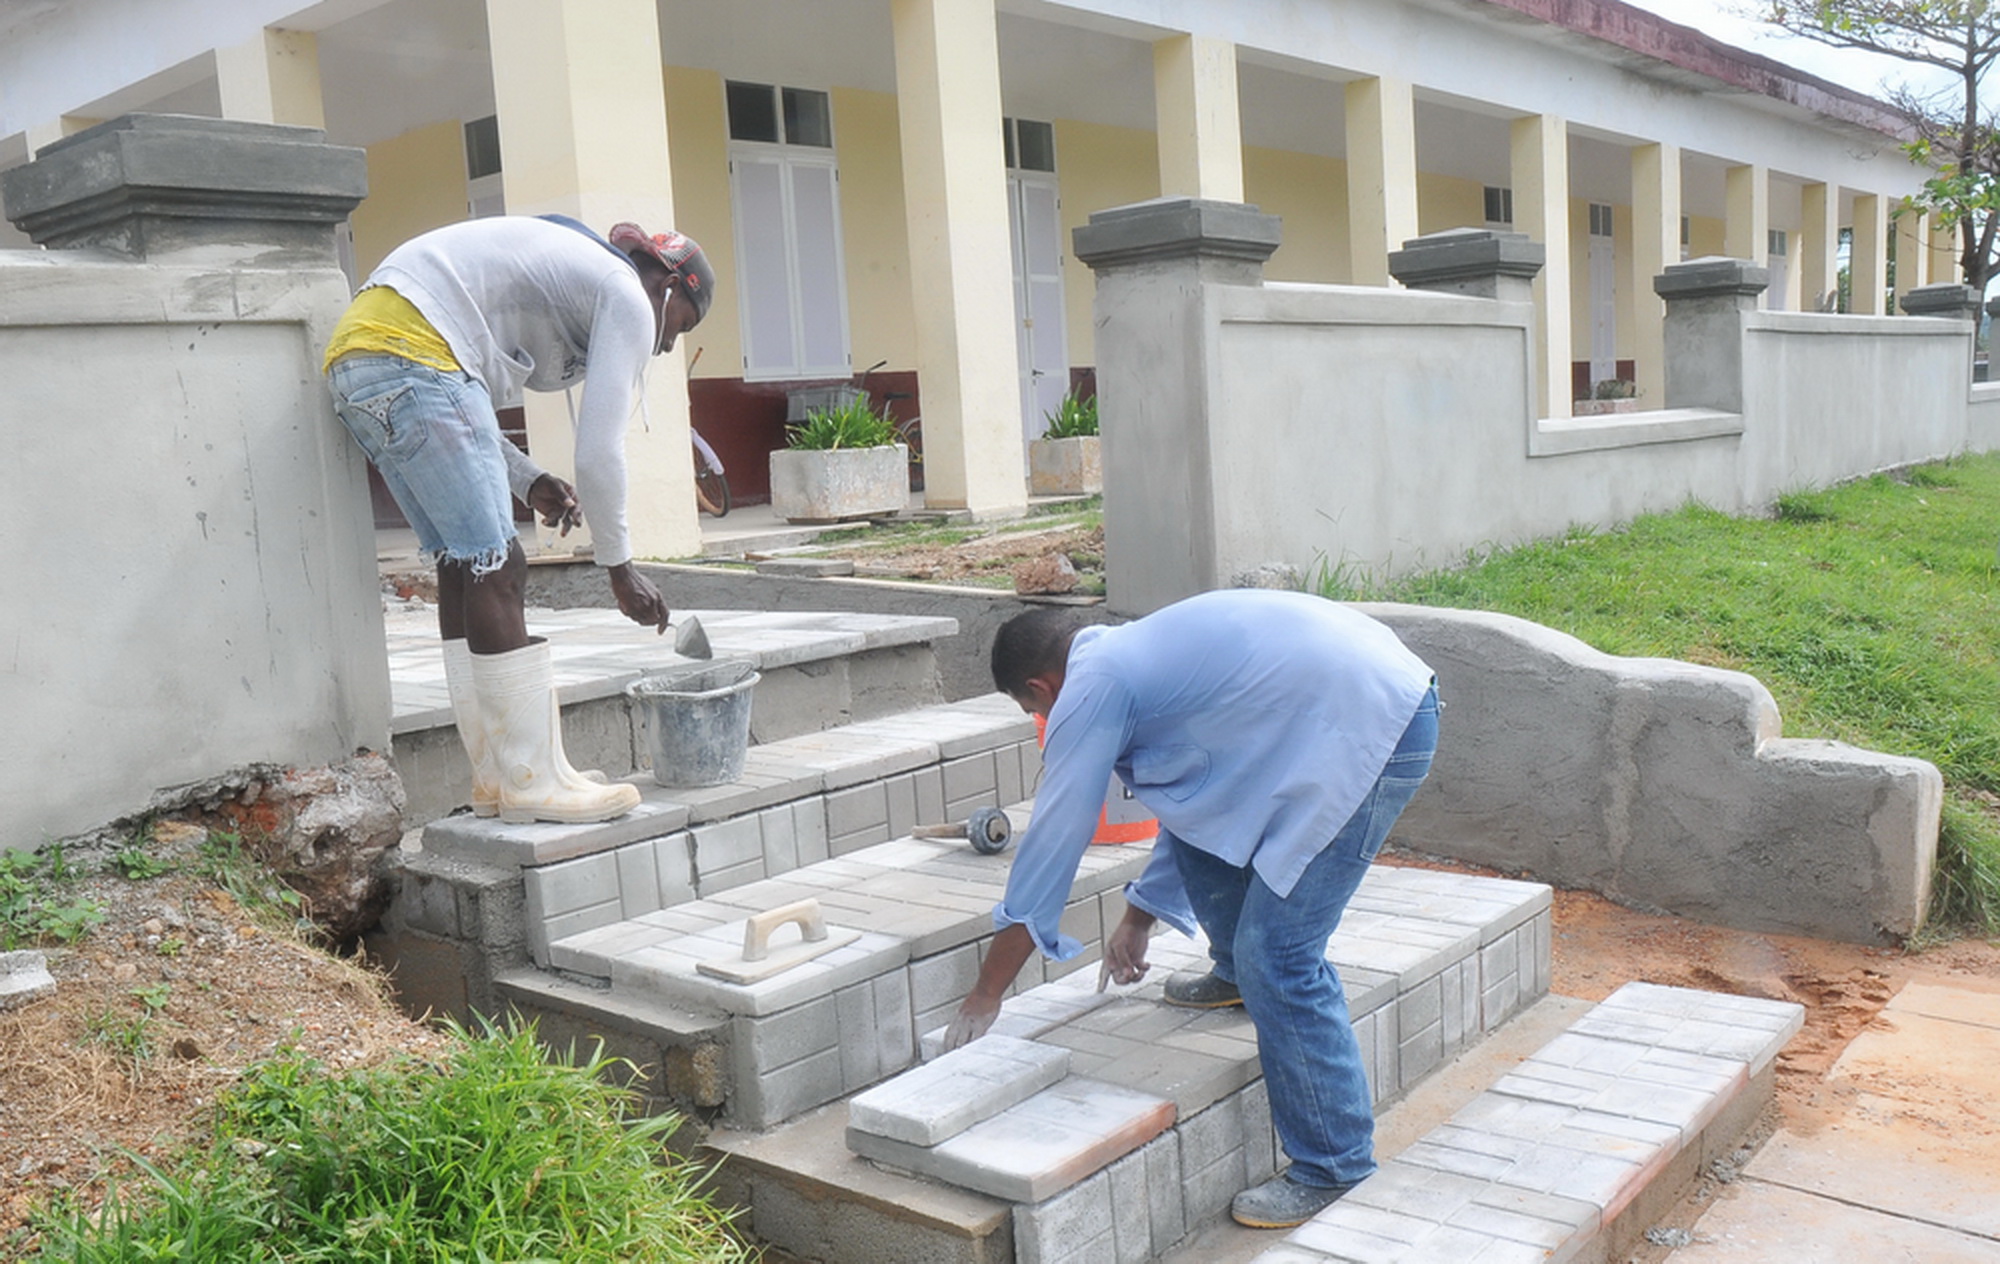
(1905, 1166)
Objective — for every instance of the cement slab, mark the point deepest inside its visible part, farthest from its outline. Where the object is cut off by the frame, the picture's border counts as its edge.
(1756, 1221)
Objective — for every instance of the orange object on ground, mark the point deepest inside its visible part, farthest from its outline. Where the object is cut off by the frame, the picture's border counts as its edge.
(1123, 818)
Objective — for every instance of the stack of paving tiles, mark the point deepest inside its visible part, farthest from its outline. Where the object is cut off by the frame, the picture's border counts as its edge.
(1162, 1116)
(1572, 1154)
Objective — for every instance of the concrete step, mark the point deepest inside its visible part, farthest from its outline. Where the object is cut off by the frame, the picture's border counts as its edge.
(1573, 1153)
(1177, 1120)
(819, 671)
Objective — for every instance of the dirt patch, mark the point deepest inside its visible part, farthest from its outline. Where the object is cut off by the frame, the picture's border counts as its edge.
(986, 559)
(156, 1010)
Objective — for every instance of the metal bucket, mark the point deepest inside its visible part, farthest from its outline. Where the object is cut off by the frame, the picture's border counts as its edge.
(697, 721)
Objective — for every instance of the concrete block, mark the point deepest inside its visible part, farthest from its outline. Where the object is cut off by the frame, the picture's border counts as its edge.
(779, 837)
(1164, 1209)
(673, 863)
(776, 1096)
(1026, 1154)
(1420, 1007)
(1073, 1227)
(929, 786)
(24, 977)
(901, 793)
(638, 879)
(586, 882)
(726, 844)
(763, 1044)
(942, 1098)
(1211, 1137)
(809, 829)
(493, 841)
(969, 783)
(1131, 1216)
(944, 979)
(741, 875)
(1260, 1149)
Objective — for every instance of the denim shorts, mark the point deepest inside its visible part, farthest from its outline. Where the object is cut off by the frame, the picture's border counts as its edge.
(436, 441)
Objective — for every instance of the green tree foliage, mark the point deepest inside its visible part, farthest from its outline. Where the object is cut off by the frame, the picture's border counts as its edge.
(1950, 133)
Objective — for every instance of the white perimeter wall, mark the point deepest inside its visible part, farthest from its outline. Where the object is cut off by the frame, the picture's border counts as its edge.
(193, 585)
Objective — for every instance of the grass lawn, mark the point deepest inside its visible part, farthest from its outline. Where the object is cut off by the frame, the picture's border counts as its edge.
(1871, 611)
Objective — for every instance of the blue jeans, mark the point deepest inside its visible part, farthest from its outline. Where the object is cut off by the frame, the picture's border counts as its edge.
(1273, 948)
(436, 441)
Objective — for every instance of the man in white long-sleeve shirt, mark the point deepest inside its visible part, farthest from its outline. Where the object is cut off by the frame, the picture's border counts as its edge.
(453, 324)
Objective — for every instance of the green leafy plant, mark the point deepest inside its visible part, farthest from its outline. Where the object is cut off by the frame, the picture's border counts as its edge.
(154, 996)
(129, 1036)
(136, 864)
(34, 907)
(1615, 388)
(1073, 418)
(226, 862)
(500, 1152)
(853, 424)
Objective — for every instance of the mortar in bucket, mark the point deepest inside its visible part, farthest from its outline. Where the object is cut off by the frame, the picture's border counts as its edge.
(698, 720)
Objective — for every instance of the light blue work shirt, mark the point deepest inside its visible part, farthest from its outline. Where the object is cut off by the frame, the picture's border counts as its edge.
(1252, 723)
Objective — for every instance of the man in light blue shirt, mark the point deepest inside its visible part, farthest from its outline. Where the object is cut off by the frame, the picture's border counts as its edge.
(1277, 737)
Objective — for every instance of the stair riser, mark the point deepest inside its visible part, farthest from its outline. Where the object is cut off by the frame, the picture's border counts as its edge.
(607, 734)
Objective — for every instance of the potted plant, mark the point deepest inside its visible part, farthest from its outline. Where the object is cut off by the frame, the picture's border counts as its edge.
(843, 462)
(1066, 461)
(1612, 395)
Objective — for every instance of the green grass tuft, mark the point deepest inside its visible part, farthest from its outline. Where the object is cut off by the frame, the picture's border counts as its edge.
(1869, 610)
(501, 1154)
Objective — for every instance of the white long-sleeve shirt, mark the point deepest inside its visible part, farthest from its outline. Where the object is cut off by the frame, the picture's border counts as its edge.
(528, 303)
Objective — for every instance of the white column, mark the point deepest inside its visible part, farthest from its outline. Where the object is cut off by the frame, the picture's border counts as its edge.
(1868, 256)
(1381, 175)
(272, 78)
(1819, 244)
(961, 283)
(580, 94)
(1656, 242)
(1198, 118)
(1540, 160)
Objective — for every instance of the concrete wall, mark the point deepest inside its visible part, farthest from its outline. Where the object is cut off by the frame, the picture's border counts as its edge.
(201, 592)
(1661, 784)
(1377, 432)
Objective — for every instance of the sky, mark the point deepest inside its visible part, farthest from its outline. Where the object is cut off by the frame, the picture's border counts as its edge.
(1851, 68)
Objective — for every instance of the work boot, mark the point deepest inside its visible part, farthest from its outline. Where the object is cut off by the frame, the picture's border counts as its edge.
(1209, 990)
(471, 734)
(465, 714)
(1282, 1203)
(517, 711)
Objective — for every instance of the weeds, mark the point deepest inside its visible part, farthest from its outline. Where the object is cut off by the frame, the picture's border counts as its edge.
(35, 908)
(1868, 610)
(502, 1153)
(226, 862)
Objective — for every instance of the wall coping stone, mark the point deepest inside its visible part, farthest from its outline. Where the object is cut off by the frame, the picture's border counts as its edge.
(1461, 254)
(1946, 299)
(1174, 228)
(145, 185)
(1712, 277)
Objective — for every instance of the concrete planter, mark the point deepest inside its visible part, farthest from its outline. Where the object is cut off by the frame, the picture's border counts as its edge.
(1065, 467)
(1602, 407)
(826, 486)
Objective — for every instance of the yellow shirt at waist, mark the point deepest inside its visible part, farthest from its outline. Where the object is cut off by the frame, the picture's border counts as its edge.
(379, 320)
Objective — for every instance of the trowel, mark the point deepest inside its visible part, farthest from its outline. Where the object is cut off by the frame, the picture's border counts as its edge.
(689, 639)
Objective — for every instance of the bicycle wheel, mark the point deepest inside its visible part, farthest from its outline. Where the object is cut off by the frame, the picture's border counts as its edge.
(711, 493)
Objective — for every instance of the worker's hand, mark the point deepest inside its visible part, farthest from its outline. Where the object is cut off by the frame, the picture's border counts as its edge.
(554, 502)
(973, 1020)
(1125, 949)
(638, 600)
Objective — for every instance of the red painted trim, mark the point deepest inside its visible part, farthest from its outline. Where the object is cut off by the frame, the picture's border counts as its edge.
(1650, 35)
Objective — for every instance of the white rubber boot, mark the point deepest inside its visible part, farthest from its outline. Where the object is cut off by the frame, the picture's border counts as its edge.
(517, 708)
(465, 713)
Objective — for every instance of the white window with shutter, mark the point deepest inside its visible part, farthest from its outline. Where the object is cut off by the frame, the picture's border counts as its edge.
(784, 181)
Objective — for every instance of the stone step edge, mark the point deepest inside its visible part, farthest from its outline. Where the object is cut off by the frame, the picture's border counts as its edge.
(775, 773)
(1595, 1134)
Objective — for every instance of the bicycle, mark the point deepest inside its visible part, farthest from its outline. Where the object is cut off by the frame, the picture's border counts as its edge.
(711, 489)
(909, 430)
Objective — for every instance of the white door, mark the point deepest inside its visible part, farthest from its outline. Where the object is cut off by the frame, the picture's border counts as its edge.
(1038, 299)
(1603, 297)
